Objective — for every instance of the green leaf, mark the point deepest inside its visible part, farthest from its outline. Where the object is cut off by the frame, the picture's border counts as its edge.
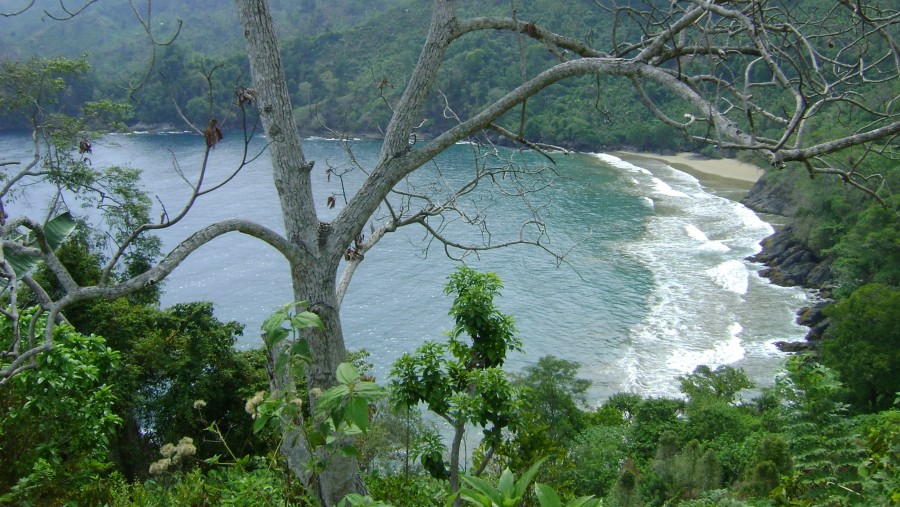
(369, 391)
(281, 362)
(350, 451)
(298, 369)
(358, 412)
(332, 398)
(352, 431)
(301, 348)
(56, 230)
(527, 477)
(484, 488)
(275, 336)
(472, 496)
(584, 501)
(273, 322)
(546, 495)
(306, 319)
(260, 422)
(315, 438)
(507, 484)
(347, 373)
(214, 460)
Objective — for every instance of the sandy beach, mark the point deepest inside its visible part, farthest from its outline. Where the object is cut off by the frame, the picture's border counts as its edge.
(725, 168)
(727, 177)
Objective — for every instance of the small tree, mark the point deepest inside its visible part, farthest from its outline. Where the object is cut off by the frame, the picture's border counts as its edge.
(719, 385)
(463, 381)
(826, 450)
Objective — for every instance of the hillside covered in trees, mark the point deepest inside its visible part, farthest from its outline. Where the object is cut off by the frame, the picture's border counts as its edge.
(139, 405)
(342, 70)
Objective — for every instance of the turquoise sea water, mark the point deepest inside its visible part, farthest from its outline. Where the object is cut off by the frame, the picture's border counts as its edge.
(654, 281)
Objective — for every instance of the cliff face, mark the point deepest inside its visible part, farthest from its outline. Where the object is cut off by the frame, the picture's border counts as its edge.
(789, 262)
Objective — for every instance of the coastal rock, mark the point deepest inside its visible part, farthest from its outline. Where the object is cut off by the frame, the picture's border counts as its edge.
(793, 346)
(816, 332)
(811, 315)
(772, 199)
(790, 263)
(814, 318)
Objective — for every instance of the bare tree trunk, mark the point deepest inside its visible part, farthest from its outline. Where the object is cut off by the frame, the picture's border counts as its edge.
(458, 432)
(315, 284)
(314, 269)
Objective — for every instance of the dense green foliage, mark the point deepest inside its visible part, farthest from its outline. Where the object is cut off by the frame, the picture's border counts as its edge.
(463, 381)
(343, 80)
(795, 444)
(863, 345)
(57, 421)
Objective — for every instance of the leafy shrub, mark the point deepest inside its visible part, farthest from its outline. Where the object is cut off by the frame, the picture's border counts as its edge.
(863, 345)
(56, 420)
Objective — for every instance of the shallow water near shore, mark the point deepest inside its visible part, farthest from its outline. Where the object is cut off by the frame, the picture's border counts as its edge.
(654, 281)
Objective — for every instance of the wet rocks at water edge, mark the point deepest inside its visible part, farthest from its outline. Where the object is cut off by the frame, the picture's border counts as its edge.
(790, 263)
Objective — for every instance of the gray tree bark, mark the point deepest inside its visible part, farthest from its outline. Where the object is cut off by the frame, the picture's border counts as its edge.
(314, 270)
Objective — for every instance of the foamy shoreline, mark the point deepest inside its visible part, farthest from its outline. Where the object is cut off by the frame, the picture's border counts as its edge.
(727, 177)
(728, 168)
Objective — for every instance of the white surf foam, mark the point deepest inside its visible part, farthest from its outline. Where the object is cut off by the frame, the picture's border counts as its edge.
(731, 275)
(724, 352)
(695, 233)
(618, 163)
(706, 245)
(694, 245)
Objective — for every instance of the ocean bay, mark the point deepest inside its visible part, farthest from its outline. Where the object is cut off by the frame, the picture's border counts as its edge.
(654, 282)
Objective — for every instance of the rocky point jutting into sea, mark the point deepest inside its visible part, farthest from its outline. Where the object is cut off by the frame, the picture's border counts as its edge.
(789, 262)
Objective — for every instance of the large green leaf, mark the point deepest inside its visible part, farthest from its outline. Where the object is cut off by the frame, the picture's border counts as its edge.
(347, 373)
(507, 485)
(56, 230)
(527, 477)
(358, 412)
(547, 496)
(484, 492)
(332, 398)
(306, 319)
(369, 391)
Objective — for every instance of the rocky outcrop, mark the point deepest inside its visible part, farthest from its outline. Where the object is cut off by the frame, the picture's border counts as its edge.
(793, 346)
(771, 199)
(789, 262)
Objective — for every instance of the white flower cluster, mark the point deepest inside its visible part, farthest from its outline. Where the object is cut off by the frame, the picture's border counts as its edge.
(172, 454)
(254, 402)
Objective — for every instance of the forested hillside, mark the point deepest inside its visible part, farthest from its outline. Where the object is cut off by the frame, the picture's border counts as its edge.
(108, 399)
(111, 32)
(344, 66)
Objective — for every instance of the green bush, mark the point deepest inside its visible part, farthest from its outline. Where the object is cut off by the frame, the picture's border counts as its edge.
(56, 420)
(863, 345)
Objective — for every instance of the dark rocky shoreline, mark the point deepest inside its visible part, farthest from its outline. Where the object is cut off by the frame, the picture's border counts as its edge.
(789, 262)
